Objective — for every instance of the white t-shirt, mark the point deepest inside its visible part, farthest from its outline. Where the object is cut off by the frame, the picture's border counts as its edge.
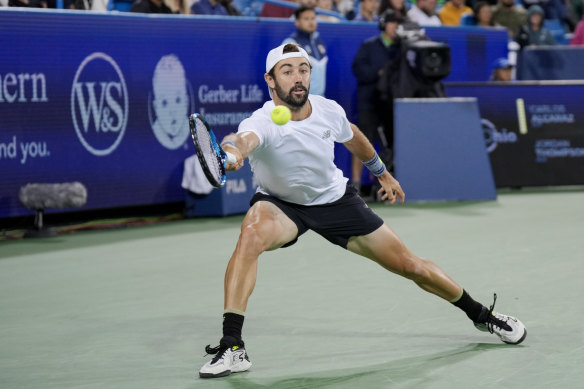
(417, 15)
(294, 162)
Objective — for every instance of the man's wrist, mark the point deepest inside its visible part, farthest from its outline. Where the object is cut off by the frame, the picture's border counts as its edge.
(228, 142)
(375, 166)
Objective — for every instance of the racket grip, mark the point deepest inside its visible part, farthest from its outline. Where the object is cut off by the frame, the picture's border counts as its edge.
(230, 158)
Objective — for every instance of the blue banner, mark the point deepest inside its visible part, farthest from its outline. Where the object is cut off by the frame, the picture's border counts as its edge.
(103, 98)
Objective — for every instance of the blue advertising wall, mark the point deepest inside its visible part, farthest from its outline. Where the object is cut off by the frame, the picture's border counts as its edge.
(534, 131)
(103, 98)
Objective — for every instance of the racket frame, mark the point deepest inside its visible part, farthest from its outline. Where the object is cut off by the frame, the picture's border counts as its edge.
(219, 153)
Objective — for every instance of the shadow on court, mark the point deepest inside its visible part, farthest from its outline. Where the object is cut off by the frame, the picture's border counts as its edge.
(415, 371)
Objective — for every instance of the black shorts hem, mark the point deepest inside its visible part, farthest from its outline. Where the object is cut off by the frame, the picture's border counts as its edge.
(337, 222)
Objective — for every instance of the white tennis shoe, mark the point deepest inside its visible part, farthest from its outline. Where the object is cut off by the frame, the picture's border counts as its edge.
(508, 328)
(227, 360)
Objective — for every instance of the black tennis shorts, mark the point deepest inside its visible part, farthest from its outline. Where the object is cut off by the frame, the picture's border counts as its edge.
(337, 221)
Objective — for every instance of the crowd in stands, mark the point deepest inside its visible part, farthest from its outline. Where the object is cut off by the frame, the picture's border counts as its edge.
(529, 22)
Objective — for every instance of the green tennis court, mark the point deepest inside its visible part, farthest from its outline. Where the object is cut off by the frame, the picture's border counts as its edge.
(134, 307)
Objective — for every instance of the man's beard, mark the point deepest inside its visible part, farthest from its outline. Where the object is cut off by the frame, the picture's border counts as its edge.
(295, 102)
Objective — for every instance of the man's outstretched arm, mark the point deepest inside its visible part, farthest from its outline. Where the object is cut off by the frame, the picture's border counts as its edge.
(240, 145)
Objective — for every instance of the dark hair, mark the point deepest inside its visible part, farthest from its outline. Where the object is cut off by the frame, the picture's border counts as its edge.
(300, 10)
(477, 9)
(289, 48)
(385, 4)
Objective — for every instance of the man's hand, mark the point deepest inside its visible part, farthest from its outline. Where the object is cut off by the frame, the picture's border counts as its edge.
(390, 189)
(238, 157)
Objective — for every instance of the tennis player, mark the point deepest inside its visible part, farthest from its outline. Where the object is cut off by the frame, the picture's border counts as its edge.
(300, 188)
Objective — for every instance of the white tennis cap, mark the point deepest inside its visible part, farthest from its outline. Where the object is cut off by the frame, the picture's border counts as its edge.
(277, 54)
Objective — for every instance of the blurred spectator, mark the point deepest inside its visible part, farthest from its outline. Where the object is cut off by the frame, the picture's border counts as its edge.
(93, 5)
(502, 70)
(345, 8)
(424, 13)
(367, 11)
(506, 14)
(396, 5)
(326, 5)
(533, 33)
(368, 66)
(150, 7)
(230, 8)
(483, 14)
(208, 7)
(28, 3)
(307, 37)
(575, 11)
(452, 11)
(552, 9)
(578, 38)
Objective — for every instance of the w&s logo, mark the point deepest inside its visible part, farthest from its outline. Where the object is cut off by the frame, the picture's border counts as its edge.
(99, 104)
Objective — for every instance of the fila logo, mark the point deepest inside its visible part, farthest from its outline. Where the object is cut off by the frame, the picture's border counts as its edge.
(326, 134)
(99, 104)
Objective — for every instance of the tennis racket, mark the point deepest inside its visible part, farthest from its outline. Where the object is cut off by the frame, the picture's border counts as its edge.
(210, 154)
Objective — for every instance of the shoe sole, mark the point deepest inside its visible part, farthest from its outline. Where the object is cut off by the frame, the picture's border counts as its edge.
(223, 373)
(209, 375)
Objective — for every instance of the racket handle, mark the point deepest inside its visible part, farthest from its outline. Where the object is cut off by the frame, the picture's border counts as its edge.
(230, 158)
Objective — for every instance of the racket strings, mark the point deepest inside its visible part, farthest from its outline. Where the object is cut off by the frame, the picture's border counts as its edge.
(208, 150)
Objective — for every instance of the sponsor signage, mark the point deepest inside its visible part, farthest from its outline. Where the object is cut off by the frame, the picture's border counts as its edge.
(108, 104)
(534, 132)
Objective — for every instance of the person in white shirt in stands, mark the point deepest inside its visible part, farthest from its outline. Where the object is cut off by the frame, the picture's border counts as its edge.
(424, 13)
(301, 188)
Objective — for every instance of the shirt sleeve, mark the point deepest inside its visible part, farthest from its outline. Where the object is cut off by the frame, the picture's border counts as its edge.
(252, 125)
(345, 132)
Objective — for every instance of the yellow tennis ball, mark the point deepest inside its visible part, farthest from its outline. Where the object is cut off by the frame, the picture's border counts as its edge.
(281, 115)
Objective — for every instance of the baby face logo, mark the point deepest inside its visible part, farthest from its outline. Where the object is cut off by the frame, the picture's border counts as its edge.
(170, 102)
(99, 104)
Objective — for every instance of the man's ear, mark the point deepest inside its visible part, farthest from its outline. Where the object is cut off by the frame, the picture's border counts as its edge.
(270, 81)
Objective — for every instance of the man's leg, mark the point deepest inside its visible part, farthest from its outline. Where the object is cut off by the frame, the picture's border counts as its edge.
(265, 227)
(384, 247)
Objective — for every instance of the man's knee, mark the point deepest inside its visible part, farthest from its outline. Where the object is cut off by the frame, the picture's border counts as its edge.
(252, 240)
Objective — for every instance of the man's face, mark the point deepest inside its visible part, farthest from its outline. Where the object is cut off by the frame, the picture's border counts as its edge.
(369, 5)
(171, 107)
(508, 3)
(429, 5)
(390, 28)
(504, 74)
(485, 14)
(535, 19)
(291, 82)
(457, 3)
(307, 21)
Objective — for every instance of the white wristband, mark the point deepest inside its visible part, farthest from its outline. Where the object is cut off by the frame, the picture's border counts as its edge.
(228, 142)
